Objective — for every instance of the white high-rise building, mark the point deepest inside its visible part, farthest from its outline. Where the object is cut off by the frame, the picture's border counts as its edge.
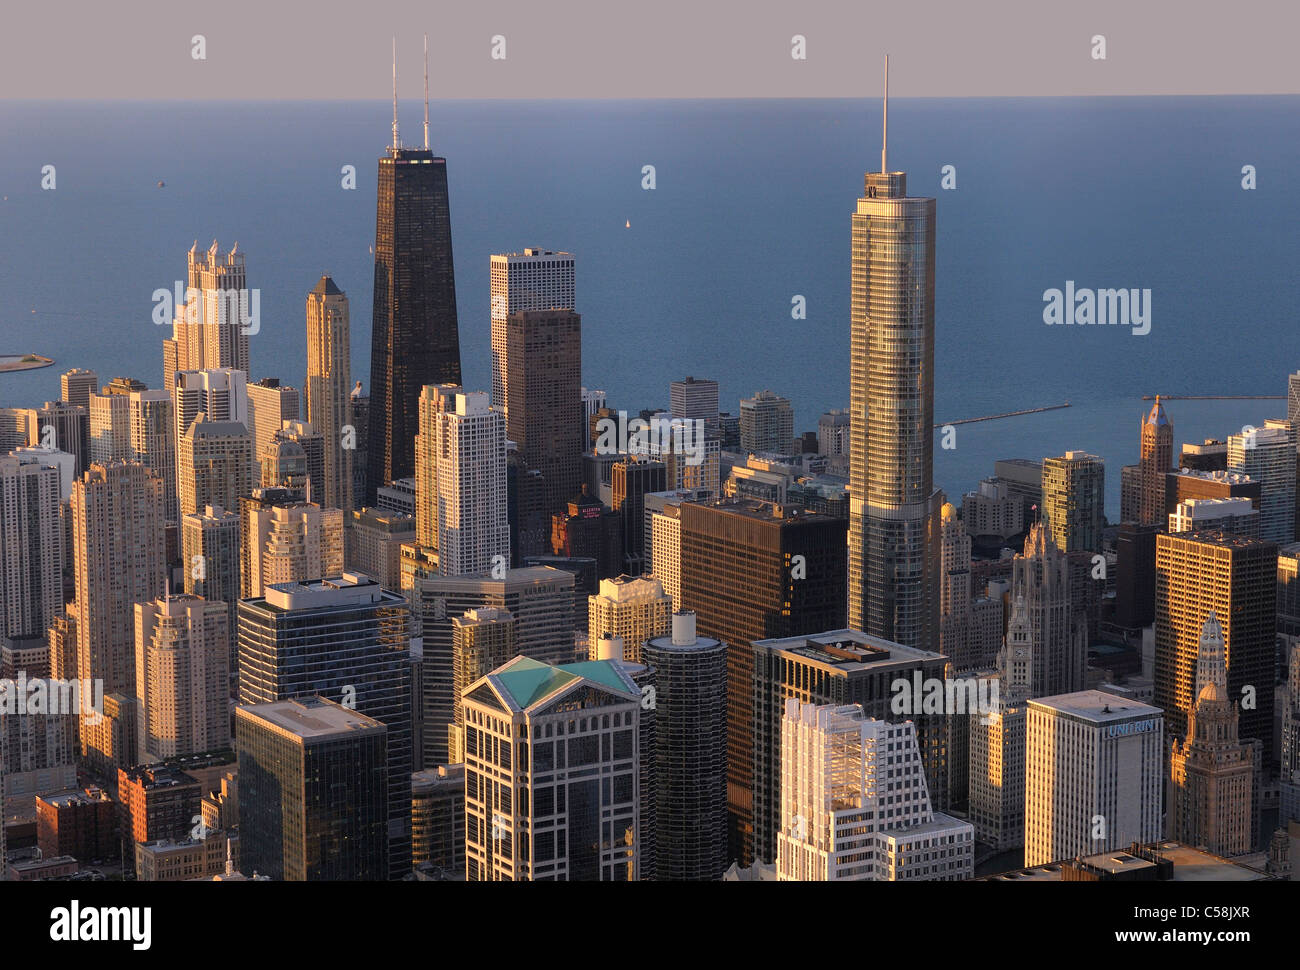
(270, 405)
(182, 676)
(535, 279)
(110, 427)
(31, 546)
(1094, 771)
(1268, 455)
(221, 394)
(328, 389)
(461, 480)
(1235, 515)
(633, 609)
(855, 804)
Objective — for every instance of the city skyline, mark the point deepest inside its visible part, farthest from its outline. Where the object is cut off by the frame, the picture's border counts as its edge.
(779, 654)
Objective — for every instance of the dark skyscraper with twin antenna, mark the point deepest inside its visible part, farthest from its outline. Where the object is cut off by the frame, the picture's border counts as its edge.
(415, 339)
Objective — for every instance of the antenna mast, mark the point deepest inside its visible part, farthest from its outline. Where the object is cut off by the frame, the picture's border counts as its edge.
(884, 135)
(396, 141)
(426, 92)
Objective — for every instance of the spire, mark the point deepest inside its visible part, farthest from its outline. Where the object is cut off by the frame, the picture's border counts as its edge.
(426, 92)
(884, 131)
(397, 142)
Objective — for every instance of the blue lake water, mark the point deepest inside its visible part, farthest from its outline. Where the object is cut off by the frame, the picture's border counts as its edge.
(751, 207)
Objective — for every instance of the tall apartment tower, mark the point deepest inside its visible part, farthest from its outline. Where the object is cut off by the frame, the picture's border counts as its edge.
(270, 405)
(118, 539)
(690, 752)
(1211, 772)
(348, 640)
(182, 677)
(1235, 578)
(766, 423)
(543, 394)
(214, 465)
(1155, 461)
(1268, 455)
(482, 640)
(210, 539)
(31, 547)
(1046, 648)
(76, 386)
(220, 395)
(1094, 766)
(66, 427)
(855, 806)
(415, 338)
(1074, 500)
(328, 390)
(577, 825)
(282, 541)
(695, 398)
(152, 426)
(313, 791)
(893, 505)
(109, 422)
(536, 279)
(460, 506)
(751, 572)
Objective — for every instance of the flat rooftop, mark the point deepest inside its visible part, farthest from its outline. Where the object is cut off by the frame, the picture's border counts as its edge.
(848, 649)
(1097, 706)
(311, 717)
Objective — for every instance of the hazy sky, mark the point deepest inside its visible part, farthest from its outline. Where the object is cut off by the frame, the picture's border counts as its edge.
(340, 49)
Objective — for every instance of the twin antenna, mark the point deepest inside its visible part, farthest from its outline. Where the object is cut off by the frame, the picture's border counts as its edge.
(397, 141)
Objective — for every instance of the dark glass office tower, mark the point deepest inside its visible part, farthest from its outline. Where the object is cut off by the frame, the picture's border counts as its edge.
(313, 800)
(415, 340)
(348, 640)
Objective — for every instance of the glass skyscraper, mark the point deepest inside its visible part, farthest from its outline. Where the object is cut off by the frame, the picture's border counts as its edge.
(894, 509)
(415, 339)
